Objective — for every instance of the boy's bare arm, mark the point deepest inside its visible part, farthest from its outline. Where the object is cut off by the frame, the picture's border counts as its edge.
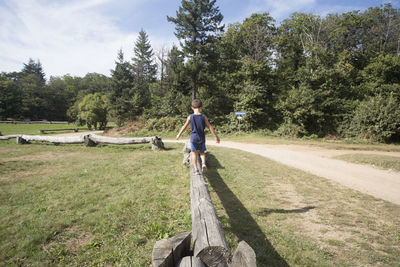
(212, 130)
(183, 127)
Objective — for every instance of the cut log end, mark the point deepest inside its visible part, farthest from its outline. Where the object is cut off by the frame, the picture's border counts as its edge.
(215, 256)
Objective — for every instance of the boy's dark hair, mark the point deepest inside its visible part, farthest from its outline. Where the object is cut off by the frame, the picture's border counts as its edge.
(196, 103)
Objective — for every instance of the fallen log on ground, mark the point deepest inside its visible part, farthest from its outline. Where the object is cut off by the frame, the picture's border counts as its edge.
(89, 140)
(23, 139)
(59, 130)
(8, 137)
(93, 139)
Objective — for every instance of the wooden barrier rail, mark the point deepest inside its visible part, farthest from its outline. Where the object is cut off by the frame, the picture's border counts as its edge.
(59, 130)
(88, 140)
(210, 247)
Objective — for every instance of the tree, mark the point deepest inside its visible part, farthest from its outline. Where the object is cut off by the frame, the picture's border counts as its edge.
(34, 68)
(10, 99)
(144, 72)
(121, 91)
(144, 69)
(197, 25)
(93, 110)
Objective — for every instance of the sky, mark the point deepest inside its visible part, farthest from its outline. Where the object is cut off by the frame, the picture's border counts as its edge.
(80, 36)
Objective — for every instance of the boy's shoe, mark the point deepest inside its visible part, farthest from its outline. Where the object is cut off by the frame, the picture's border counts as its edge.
(204, 167)
(196, 172)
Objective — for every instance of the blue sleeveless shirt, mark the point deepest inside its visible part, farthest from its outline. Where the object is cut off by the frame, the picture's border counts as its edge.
(197, 125)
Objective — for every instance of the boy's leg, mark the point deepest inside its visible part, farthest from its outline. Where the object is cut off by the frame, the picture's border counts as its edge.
(194, 160)
(203, 161)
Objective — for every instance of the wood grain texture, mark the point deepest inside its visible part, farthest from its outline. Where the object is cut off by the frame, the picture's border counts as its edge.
(209, 242)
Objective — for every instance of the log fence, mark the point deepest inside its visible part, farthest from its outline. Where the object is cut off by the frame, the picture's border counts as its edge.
(88, 140)
(210, 247)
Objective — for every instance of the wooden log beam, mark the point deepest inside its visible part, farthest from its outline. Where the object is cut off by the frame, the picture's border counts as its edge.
(190, 261)
(51, 139)
(209, 242)
(99, 139)
(8, 137)
(154, 140)
(168, 252)
(59, 130)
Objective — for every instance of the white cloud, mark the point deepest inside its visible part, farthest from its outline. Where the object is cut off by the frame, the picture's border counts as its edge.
(67, 38)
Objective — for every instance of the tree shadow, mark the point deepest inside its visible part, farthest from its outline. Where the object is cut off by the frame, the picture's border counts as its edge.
(242, 223)
(265, 212)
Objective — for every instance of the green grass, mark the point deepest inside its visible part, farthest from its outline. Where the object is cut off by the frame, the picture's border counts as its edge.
(294, 218)
(380, 161)
(89, 206)
(107, 205)
(351, 144)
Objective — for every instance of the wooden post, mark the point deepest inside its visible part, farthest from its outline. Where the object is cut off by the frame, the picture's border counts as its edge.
(157, 143)
(168, 252)
(186, 154)
(244, 256)
(89, 142)
(21, 141)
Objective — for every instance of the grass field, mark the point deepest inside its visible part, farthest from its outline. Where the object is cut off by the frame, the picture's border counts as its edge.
(107, 205)
(380, 161)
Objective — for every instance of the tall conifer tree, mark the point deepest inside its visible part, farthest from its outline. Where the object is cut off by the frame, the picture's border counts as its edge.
(197, 25)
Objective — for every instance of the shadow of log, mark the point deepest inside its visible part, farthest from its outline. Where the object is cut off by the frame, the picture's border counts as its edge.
(242, 223)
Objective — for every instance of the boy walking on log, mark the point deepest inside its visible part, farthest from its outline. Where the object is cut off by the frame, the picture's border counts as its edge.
(197, 122)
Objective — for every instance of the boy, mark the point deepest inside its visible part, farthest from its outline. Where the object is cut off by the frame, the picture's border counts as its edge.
(197, 122)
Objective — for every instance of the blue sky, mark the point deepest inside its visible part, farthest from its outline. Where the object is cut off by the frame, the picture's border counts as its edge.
(80, 36)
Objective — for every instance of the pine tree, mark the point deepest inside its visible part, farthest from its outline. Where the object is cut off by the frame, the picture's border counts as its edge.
(197, 25)
(36, 69)
(144, 71)
(122, 90)
(143, 66)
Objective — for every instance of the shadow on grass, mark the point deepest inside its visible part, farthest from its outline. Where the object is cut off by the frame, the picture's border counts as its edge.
(242, 223)
(265, 212)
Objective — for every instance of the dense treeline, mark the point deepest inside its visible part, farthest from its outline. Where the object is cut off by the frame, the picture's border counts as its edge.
(309, 75)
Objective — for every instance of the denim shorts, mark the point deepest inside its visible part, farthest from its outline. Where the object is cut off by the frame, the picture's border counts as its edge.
(198, 146)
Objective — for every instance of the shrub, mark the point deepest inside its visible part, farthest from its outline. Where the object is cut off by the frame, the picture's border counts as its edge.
(377, 119)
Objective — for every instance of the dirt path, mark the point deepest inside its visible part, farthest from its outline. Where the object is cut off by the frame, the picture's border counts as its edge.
(366, 179)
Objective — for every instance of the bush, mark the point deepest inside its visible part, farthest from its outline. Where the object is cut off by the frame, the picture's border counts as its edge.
(377, 119)
(165, 124)
(93, 109)
(290, 129)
